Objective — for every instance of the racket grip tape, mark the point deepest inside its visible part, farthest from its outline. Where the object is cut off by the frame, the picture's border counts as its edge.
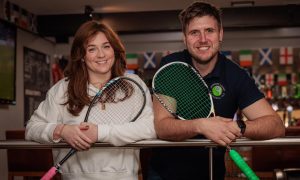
(238, 160)
(50, 174)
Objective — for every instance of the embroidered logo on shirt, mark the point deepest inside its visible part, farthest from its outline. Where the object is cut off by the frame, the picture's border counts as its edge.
(217, 90)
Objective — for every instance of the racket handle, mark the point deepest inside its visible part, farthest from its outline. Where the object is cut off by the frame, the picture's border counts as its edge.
(49, 175)
(70, 153)
(238, 160)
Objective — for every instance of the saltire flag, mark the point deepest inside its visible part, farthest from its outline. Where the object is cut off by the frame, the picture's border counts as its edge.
(282, 79)
(246, 58)
(149, 60)
(227, 54)
(269, 79)
(286, 55)
(259, 79)
(132, 61)
(265, 56)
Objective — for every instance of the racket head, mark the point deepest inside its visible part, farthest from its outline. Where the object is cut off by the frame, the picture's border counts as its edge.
(124, 99)
(182, 91)
(119, 101)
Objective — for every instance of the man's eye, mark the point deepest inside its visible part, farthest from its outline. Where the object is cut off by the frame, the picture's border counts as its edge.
(210, 30)
(194, 33)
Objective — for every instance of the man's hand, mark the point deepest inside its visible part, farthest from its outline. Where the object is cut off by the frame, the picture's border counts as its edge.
(220, 130)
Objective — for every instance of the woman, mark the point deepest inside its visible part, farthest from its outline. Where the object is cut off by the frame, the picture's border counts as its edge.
(97, 55)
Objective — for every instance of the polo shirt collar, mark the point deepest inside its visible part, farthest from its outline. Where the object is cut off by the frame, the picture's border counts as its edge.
(216, 72)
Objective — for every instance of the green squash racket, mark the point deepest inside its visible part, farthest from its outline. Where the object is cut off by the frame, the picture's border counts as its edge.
(183, 92)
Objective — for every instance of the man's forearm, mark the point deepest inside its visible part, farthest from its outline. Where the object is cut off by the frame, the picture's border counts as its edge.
(175, 130)
(266, 127)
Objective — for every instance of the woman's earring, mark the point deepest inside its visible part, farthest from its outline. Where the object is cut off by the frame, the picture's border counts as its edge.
(82, 60)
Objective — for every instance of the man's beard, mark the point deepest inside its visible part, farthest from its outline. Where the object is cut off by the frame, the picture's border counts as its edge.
(203, 62)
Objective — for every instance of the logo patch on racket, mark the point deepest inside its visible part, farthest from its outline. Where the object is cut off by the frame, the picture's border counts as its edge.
(217, 90)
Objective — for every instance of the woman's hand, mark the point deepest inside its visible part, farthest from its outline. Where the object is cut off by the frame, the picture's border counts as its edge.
(90, 130)
(75, 136)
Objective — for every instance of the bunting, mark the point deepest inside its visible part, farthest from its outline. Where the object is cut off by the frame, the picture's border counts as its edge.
(294, 78)
(269, 79)
(265, 56)
(286, 55)
(282, 79)
(149, 60)
(246, 58)
(258, 79)
(132, 61)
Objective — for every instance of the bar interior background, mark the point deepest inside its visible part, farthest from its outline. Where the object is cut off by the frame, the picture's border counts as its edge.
(47, 29)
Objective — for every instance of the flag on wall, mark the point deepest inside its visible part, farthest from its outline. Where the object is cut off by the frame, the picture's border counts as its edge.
(132, 61)
(246, 58)
(265, 56)
(227, 54)
(269, 79)
(149, 60)
(294, 78)
(258, 79)
(286, 55)
(282, 79)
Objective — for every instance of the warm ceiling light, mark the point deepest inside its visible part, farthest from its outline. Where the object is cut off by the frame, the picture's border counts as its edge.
(242, 3)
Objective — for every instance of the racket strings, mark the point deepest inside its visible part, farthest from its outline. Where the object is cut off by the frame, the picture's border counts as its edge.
(121, 86)
(182, 91)
(123, 103)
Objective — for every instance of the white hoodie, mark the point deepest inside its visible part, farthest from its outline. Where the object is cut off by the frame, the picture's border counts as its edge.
(96, 163)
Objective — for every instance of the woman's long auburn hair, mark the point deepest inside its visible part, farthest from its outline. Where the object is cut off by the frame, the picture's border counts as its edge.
(76, 71)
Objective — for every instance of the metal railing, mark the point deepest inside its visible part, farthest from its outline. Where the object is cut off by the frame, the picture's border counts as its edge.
(22, 144)
(293, 140)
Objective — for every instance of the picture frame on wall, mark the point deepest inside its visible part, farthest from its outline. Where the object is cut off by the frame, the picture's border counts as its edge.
(36, 80)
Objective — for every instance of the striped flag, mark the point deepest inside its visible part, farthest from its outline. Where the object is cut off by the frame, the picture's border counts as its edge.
(286, 55)
(227, 54)
(149, 60)
(282, 79)
(269, 78)
(132, 61)
(265, 56)
(246, 58)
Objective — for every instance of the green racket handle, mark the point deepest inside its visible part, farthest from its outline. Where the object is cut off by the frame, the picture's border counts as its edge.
(238, 160)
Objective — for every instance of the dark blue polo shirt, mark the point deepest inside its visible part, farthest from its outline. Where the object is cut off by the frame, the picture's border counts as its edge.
(232, 88)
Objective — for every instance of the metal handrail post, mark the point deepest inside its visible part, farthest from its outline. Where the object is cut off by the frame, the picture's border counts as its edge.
(211, 163)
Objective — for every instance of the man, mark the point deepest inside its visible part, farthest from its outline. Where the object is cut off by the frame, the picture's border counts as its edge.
(203, 34)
